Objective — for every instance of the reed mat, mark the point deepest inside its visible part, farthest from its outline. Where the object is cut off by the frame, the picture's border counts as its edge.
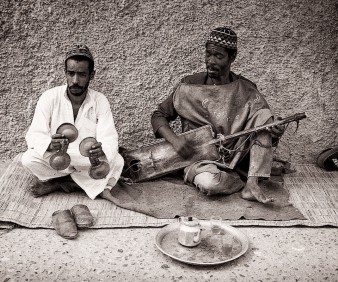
(19, 207)
(312, 191)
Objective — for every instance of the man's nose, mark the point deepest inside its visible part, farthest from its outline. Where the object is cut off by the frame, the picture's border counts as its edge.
(211, 60)
(75, 79)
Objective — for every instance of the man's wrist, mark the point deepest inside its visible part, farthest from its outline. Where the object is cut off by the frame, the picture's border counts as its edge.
(49, 148)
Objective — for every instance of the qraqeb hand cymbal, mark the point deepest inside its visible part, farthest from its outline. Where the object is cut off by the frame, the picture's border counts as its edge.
(61, 160)
(86, 145)
(69, 131)
(98, 169)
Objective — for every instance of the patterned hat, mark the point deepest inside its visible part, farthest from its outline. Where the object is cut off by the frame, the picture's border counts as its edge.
(79, 50)
(223, 36)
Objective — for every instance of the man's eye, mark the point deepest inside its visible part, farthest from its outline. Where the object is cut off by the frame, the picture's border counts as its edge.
(70, 73)
(219, 56)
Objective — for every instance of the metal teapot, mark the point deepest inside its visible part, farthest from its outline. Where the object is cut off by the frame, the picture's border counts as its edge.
(189, 233)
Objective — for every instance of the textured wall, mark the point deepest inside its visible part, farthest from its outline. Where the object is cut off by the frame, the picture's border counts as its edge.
(142, 48)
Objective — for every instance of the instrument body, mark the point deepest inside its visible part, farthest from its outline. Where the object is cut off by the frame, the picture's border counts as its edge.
(160, 158)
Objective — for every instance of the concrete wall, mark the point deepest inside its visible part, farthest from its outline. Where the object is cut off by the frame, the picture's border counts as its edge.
(142, 48)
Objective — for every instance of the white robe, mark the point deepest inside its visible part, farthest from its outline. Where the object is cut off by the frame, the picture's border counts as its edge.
(94, 119)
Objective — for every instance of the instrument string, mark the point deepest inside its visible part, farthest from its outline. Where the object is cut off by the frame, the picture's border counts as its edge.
(137, 164)
(251, 138)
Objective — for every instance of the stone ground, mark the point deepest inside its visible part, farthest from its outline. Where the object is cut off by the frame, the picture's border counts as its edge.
(130, 254)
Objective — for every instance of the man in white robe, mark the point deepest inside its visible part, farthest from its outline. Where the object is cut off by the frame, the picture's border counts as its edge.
(89, 111)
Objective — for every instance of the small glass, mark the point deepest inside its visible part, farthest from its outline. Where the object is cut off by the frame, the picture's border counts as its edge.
(191, 200)
(227, 242)
(216, 222)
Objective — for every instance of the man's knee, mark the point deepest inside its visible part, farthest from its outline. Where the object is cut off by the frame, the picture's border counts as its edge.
(218, 183)
(33, 163)
(26, 160)
(207, 182)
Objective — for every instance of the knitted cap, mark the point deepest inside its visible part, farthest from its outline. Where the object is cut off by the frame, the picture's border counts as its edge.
(223, 36)
(79, 50)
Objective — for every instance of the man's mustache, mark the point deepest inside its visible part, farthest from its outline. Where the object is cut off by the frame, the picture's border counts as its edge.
(211, 66)
(75, 87)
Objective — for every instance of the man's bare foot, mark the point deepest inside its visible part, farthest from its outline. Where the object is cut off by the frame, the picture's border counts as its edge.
(39, 188)
(253, 192)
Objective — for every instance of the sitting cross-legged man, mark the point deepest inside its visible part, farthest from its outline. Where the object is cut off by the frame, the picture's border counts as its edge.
(88, 111)
(229, 103)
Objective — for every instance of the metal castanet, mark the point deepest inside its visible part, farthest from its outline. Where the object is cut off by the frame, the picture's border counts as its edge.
(98, 169)
(69, 131)
(85, 146)
(60, 160)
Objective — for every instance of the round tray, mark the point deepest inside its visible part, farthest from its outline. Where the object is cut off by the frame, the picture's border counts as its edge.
(209, 251)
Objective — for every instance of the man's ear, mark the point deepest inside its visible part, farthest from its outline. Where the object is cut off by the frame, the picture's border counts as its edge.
(92, 75)
(232, 58)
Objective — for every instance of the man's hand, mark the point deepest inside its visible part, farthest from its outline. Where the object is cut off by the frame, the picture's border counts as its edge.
(180, 144)
(56, 142)
(278, 130)
(96, 149)
(182, 147)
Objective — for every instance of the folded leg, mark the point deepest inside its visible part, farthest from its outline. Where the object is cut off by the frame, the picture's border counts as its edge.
(211, 180)
(44, 181)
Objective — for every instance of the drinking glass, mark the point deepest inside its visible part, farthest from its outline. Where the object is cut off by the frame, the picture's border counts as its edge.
(216, 222)
(227, 242)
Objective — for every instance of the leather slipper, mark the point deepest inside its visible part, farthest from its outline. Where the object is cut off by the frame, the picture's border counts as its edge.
(328, 159)
(82, 216)
(64, 224)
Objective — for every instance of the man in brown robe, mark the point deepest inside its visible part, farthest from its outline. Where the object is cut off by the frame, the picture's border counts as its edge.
(229, 103)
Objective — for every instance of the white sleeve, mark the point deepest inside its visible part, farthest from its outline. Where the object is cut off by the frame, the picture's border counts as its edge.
(38, 136)
(105, 130)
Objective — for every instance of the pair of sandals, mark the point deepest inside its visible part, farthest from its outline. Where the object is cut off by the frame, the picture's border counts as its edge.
(67, 222)
(328, 159)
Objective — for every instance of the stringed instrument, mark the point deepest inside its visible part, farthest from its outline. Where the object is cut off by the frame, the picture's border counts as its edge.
(160, 158)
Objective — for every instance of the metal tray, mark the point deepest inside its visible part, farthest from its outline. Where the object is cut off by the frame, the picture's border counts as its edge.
(209, 251)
